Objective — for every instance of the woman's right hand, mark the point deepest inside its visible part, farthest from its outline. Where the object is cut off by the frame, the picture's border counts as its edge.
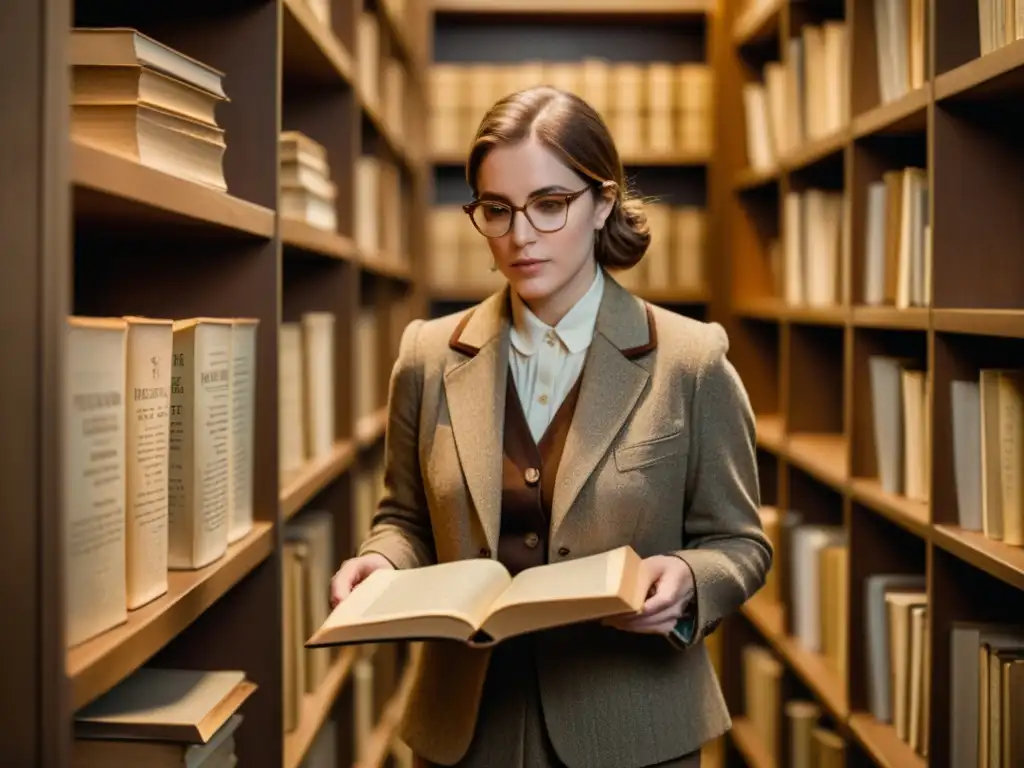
(352, 572)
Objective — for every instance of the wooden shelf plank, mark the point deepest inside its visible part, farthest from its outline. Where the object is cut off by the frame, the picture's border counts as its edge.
(749, 744)
(882, 743)
(915, 318)
(113, 188)
(812, 315)
(821, 455)
(299, 487)
(316, 707)
(384, 734)
(575, 7)
(675, 295)
(771, 433)
(812, 668)
(907, 513)
(982, 322)
(815, 151)
(310, 50)
(370, 429)
(758, 24)
(1000, 72)
(385, 265)
(754, 178)
(907, 114)
(302, 236)
(760, 308)
(95, 666)
(1000, 560)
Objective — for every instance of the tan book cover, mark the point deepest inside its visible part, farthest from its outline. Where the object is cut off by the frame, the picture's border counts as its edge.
(477, 601)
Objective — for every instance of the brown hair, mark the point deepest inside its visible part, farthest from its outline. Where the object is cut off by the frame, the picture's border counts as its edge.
(570, 127)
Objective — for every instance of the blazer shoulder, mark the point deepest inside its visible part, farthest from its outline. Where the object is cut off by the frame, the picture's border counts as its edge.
(694, 344)
(426, 340)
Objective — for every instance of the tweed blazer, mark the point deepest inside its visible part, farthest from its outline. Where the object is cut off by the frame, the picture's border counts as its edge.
(660, 455)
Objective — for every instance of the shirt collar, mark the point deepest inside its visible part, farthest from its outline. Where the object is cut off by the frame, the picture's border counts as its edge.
(575, 329)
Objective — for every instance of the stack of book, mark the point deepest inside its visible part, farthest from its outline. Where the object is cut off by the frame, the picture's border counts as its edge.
(307, 192)
(137, 98)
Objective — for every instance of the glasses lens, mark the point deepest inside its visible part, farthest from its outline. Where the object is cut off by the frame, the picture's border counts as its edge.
(548, 214)
(492, 219)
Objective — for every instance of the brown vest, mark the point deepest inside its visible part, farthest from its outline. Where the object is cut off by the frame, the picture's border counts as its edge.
(528, 480)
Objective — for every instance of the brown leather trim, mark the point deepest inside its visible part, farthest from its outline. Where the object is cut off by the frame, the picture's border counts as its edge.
(456, 343)
(652, 337)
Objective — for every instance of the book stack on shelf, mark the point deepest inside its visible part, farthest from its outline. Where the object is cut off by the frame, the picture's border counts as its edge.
(886, 418)
(307, 192)
(138, 98)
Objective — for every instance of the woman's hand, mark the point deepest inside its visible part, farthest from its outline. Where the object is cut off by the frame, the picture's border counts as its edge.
(352, 572)
(671, 590)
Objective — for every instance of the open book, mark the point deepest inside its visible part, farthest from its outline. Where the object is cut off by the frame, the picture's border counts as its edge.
(478, 602)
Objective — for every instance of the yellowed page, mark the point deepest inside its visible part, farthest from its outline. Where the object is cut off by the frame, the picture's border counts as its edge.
(461, 591)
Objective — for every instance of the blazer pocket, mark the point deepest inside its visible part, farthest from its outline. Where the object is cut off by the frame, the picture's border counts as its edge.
(647, 452)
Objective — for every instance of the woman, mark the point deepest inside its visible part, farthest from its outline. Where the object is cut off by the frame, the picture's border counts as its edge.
(558, 418)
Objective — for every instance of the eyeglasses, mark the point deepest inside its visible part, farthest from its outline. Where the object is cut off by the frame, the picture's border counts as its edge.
(547, 213)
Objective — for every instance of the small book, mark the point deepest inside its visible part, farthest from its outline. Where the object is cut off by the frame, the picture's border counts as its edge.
(479, 603)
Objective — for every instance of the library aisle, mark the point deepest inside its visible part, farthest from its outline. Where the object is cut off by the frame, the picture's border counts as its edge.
(219, 217)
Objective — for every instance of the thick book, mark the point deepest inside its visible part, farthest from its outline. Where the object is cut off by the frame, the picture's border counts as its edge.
(479, 603)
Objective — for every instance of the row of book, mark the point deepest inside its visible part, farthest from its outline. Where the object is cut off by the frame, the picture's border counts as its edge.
(901, 46)
(164, 717)
(658, 108)
(1000, 22)
(158, 434)
(461, 258)
(988, 424)
(307, 379)
(801, 99)
(814, 222)
(900, 404)
(382, 79)
(793, 732)
(134, 97)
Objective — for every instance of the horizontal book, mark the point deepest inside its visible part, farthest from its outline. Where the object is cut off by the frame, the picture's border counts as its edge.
(478, 602)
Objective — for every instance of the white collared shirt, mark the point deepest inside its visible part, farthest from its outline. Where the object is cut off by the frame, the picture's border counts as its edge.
(545, 360)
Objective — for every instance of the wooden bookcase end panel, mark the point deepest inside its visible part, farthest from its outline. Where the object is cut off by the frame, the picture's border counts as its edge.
(879, 549)
(241, 41)
(882, 163)
(960, 592)
(815, 399)
(756, 247)
(890, 423)
(222, 638)
(978, 230)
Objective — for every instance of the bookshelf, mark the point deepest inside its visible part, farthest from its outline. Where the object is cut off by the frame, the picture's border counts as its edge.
(817, 304)
(91, 231)
(644, 66)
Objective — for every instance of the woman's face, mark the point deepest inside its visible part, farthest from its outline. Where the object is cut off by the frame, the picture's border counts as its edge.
(541, 266)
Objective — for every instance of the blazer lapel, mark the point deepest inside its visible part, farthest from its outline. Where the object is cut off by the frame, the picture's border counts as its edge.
(610, 388)
(475, 391)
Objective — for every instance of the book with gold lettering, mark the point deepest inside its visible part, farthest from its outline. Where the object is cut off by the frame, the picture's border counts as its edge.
(478, 602)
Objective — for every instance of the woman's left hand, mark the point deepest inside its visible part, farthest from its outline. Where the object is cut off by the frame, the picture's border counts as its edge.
(670, 593)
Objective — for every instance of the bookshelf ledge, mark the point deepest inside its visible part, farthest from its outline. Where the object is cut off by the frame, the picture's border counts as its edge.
(758, 24)
(909, 514)
(749, 744)
(982, 322)
(820, 455)
(298, 488)
(771, 433)
(115, 188)
(884, 746)
(907, 114)
(316, 707)
(750, 179)
(95, 666)
(913, 319)
(311, 50)
(815, 151)
(1000, 560)
(998, 72)
(385, 265)
(300, 235)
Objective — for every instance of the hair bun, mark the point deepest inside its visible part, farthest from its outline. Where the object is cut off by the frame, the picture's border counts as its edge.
(624, 239)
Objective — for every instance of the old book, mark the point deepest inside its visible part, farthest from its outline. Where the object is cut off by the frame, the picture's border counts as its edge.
(94, 476)
(291, 393)
(315, 528)
(163, 704)
(150, 344)
(318, 352)
(133, 753)
(243, 417)
(478, 602)
(200, 443)
(93, 85)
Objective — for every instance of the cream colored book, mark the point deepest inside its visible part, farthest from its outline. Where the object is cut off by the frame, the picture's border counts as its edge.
(150, 346)
(291, 393)
(477, 602)
(243, 417)
(319, 376)
(93, 443)
(200, 443)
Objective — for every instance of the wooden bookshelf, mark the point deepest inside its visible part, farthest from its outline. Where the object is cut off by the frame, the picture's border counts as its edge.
(90, 232)
(807, 363)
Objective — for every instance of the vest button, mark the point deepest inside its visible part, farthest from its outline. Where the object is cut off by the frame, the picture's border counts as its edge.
(531, 540)
(563, 551)
(532, 475)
